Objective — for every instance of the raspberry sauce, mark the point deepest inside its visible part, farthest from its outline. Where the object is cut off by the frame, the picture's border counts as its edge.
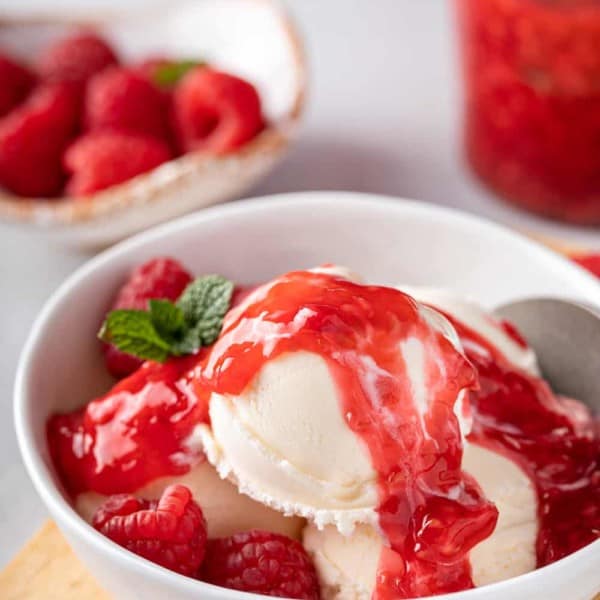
(591, 262)
(137, 432)
(373, 340)
(131, 436)
(430, 511)
(532, 119)
(553, 439)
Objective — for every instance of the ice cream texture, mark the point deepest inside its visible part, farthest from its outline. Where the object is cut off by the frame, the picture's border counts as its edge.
(407, 432)
(515, 451)
(271, 438)
(348, 565)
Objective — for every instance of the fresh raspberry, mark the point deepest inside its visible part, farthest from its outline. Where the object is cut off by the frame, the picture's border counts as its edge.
(17, 82)
(102, 159)
(119, 364)
(261, 562)
(170, 532)
(215, 112)
(76, 58)
(32, 140)
(124, 100)
(163, 278)
(159, 278)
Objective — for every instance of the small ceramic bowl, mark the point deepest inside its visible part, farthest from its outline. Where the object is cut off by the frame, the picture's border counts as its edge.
(251, 38)
(386, 240)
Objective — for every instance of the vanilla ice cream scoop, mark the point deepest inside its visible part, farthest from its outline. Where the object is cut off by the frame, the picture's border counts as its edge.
(285, 442)
(286, 438)
(348, 565)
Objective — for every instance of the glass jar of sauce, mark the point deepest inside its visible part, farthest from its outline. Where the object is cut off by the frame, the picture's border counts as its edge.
(532, 119)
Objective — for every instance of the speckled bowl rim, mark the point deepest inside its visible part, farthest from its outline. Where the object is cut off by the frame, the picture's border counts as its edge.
(149, 188)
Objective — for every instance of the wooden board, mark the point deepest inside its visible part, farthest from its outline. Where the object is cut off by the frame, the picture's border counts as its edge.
(47, 569)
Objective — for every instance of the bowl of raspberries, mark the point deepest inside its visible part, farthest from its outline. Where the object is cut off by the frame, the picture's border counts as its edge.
(111, 126)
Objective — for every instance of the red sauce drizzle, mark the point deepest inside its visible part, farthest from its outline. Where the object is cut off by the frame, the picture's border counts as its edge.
(136, 433)
(132, 435)
(591, 262)
(431, 512)
(532, 92)
(555, 441)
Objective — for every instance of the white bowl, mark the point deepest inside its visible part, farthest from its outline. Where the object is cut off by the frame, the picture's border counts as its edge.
(387, 240)
(254, 39)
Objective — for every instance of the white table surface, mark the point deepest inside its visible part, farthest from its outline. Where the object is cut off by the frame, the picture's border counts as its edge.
(383, 117)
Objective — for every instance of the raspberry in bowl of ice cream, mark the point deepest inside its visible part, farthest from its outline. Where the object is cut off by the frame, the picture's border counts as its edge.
(386, 445)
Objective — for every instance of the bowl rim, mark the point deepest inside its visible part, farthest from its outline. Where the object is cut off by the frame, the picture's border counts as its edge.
(65, 515)
(148, 188)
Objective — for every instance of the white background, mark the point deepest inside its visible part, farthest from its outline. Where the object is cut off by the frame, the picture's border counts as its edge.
(384, 116)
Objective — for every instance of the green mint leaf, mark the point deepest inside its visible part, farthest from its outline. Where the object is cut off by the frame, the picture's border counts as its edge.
(190, 343)
(171, 329)
(204, 304)
(133, 332)
(168, 74)
(167, 318)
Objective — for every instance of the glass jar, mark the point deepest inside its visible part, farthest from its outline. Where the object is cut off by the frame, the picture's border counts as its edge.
(532, 119)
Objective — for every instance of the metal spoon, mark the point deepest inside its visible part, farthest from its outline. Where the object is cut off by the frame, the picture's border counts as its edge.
(566, 338)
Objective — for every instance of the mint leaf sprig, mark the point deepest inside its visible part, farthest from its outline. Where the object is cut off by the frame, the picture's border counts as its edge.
(171, 329)
(170, 73)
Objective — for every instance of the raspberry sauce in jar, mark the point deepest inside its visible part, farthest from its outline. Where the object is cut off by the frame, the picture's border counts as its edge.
(532, 123)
